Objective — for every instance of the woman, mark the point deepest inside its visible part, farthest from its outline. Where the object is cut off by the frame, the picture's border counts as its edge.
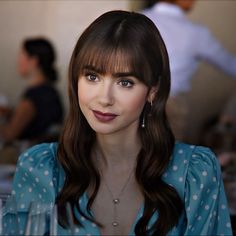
(117, 163)
(40, 106)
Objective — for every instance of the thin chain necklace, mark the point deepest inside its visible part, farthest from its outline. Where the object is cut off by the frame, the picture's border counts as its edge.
(116, 199)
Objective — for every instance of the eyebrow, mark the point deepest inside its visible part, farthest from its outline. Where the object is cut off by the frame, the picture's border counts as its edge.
(115, 75)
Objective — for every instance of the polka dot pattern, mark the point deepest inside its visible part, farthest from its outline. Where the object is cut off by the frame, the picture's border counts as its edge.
(193, 171)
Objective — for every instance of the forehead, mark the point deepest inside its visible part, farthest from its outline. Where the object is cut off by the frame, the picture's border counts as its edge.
(107, 61)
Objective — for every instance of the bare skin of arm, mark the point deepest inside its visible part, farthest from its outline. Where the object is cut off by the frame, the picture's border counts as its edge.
(22, 116)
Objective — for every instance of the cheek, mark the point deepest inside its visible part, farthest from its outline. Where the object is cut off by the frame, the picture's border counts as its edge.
(23, 65)
(136, 103)
(84, 96)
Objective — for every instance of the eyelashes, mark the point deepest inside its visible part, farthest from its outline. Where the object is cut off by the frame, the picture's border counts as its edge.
(123, 82)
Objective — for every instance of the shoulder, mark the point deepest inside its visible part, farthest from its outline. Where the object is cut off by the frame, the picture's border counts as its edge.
(190, 163)
(37, 175)
(39, 153)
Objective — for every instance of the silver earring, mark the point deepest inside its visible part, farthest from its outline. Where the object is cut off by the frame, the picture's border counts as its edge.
(143, 122)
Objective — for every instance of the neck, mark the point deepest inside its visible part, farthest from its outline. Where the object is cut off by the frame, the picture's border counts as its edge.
(119, 149)
(37, 78)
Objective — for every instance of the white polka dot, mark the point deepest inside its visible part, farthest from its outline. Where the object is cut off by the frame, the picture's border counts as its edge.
(41, 165)
(88, 234)
(22, 195)
(192, 146)
(181, 179)
(165, 175)
(80, 201)
(201, 186)
(45, 152)
(210, 216)
(228, 225)
(208, 190)
(13, 192)
(77, 230)
(188, 208)
(40, 196)
(82, 218)
(214, 179)
(94, 225)
(23, 179)
(223, 207)
(37, 179)
(180, 151)
(31, 159)
(30, 190)
(19, 185)
(204, 173)
(51, 183)
(207, 207)
(26, 174)
(44, 190)
(30, 169)
(185, 161)
(195, 197)
(194, 155)
(214, 213)
(26, 154)
(46, 172)
(22, 206)
(21, 164)
(199, 218)
(175, 168)
(194, 180)
(214, 196)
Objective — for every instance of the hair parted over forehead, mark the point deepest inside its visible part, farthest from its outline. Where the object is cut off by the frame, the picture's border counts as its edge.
(119, 43)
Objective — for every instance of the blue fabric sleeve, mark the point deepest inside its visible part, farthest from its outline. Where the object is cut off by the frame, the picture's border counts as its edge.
(34, 181)
(205, 201)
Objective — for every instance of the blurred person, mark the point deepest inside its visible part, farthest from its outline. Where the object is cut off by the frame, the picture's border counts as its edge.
(40, 106)
(117, 163)
(187, 44)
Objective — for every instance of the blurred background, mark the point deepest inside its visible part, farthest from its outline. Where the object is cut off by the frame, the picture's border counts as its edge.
(62, 21)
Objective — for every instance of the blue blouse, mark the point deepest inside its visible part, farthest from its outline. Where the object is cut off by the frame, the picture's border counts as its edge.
(193, 171)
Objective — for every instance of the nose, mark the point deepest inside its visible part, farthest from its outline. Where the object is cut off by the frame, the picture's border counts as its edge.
(105, 96)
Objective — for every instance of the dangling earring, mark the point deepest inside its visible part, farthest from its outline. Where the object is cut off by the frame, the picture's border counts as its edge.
(143, 122)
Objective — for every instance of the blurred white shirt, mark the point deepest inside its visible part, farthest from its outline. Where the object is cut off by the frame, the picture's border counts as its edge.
(187, 44)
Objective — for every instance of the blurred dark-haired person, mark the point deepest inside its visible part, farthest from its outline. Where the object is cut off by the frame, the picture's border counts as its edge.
(40, 107)
(187, 44)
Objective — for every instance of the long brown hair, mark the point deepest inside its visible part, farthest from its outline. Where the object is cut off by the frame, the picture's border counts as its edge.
(115, 40)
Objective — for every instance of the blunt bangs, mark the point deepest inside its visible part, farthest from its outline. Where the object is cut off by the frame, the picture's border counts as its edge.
(109, 56)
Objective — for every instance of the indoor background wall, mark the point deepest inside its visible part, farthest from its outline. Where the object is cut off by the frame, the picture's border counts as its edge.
(62, 21)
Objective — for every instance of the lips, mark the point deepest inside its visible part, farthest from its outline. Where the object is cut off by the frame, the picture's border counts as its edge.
(104, 117)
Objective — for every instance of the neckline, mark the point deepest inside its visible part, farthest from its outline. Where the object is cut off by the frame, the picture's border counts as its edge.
(138, 215)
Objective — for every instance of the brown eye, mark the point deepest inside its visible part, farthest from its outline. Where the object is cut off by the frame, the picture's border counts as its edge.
(126, 83)
(91, 77)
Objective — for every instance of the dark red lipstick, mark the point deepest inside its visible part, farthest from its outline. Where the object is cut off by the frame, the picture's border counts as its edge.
(104, 117)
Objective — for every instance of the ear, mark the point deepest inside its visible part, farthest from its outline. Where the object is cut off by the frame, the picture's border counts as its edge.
(152, 94)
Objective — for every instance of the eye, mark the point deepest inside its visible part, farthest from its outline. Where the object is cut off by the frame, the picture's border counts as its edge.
(126, 83)
(91, 77)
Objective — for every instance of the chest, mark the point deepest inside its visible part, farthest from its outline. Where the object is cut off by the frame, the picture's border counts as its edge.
(117, 216)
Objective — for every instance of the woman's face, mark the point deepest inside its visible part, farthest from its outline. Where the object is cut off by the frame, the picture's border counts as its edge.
(25, 64)
(111, 102)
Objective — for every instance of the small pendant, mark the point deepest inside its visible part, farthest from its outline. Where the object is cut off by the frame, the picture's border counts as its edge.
(116, 201)
(115, 224)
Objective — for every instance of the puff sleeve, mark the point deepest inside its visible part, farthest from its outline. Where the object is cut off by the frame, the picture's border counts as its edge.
(34, 181)
(205, 201)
